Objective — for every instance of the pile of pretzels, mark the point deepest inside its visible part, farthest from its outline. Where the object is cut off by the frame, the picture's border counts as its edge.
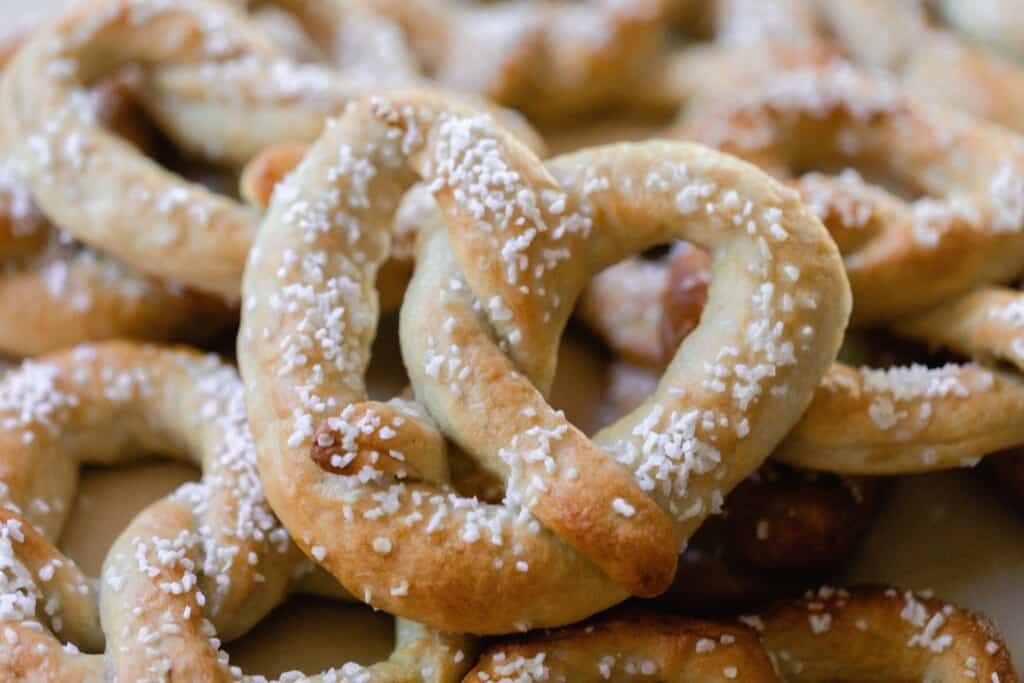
(804, 274)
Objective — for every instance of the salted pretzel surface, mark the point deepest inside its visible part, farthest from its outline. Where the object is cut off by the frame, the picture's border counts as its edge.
(202, 565)
(780, 530)
(860, 635)
(868, 634)
(522, 245)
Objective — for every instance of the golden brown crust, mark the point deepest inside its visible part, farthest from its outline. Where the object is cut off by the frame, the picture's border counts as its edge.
(630, 647)
(863, 635)
(860, 635)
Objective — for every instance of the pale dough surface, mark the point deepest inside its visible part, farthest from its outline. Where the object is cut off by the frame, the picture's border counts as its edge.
(945, 532)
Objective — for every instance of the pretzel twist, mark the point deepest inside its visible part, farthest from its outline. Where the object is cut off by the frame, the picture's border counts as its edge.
(209, 61)
(310, 312)
(204, 564)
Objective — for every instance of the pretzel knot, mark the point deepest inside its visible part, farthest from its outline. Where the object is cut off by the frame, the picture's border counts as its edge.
(202, 565)
(584, 522)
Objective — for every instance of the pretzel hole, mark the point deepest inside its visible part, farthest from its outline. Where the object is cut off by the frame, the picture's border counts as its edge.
(119, 108)
(312, 634)
(107, 500)
(576, 391)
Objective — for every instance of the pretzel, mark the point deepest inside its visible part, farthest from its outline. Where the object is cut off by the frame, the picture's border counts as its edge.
(873, 634)
(204, 564)
(780, 530)
(867, 421)
(293, 388)
(964, 232)
(860, 635)
(930, 62)
(630, 647)
(87, 295)
(192, 235)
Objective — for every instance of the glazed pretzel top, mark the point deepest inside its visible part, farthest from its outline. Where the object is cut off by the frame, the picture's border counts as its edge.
(479, 327)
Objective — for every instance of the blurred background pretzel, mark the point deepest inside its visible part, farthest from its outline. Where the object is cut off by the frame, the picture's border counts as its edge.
(57, 292)
(861, 635)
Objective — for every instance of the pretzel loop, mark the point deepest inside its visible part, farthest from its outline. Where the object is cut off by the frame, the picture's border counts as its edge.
(480, 324)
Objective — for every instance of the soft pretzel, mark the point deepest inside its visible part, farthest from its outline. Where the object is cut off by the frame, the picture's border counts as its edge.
(86, 295)
(202, 565)
(191, 234)
(307, 324)
(863, 635)
(965, 231)
(864, 421)
(93, 184)
(860, 635)
(630, 647)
